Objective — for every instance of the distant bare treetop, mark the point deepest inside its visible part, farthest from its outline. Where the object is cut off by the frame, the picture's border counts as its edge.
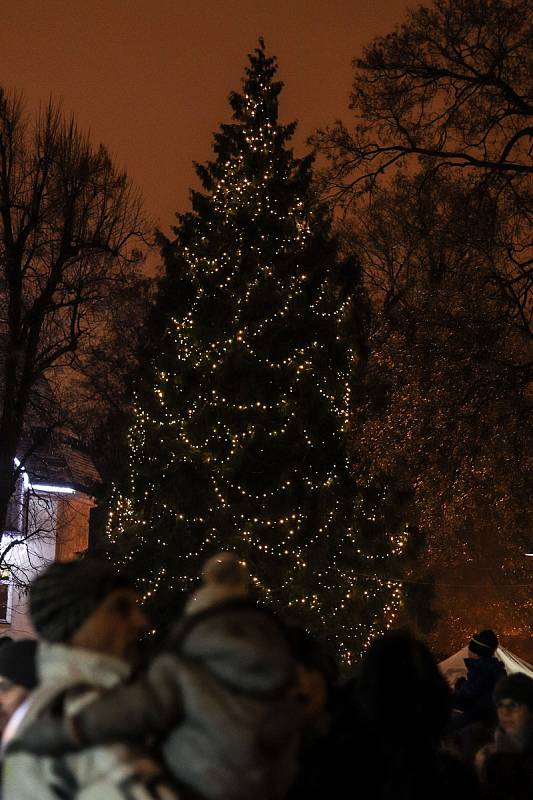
(453, 85)
(449, 92)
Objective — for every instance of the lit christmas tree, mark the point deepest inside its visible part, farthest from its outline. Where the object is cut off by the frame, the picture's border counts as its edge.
(240, 437)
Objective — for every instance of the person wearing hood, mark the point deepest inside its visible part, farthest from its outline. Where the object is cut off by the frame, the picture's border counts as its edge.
(472, 696)
(221, 697)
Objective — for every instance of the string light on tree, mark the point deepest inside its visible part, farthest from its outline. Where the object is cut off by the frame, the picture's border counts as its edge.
(242, 413)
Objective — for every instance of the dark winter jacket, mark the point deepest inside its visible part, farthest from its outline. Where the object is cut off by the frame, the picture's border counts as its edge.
(393, 763)
(508, 772)
(329, 758)
(473, 694)
(413, 769)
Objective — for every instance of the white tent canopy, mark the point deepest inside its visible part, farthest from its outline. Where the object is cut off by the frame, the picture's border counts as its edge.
(454, 666)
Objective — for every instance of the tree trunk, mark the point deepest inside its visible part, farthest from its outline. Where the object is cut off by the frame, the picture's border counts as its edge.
(9, 436)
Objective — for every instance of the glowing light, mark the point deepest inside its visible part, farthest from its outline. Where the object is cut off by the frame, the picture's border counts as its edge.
(50, 489)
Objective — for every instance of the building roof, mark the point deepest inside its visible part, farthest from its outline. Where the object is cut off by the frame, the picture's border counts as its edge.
(60, 463)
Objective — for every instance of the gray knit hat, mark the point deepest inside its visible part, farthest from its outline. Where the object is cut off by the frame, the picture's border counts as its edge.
(66, 594)
(224, 578)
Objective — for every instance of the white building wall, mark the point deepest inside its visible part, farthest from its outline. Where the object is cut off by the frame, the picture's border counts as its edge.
(34, 552)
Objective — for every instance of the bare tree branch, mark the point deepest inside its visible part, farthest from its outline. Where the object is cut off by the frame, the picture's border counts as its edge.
(70, 223)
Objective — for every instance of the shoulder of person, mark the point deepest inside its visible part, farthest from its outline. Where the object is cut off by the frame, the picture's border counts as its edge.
(234, 616)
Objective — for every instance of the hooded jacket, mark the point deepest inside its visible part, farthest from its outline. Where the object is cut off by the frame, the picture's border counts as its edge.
(473, 696)
(221, 700)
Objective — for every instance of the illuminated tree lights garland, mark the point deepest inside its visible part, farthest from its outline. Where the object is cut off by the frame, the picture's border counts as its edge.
(241, 418)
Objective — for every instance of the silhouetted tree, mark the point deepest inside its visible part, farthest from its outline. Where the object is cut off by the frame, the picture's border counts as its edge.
(68, 223)
(449, 92)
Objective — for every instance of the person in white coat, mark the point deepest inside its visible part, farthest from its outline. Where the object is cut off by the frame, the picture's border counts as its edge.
(89, 620)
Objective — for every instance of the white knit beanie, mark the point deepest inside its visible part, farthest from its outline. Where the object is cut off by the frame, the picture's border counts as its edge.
(224, 578)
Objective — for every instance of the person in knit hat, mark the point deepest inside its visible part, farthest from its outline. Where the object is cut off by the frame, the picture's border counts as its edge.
(505, 766)
(220, 697)
(513, 697)
(89, 620)
(483, 644)
(224, 578)
(472, 697)
(17, 677)
(87, 603)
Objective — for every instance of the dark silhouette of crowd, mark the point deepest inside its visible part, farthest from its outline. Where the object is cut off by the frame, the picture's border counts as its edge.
(239, 704)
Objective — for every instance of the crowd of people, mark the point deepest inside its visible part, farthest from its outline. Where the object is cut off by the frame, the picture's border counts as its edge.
(239, 705)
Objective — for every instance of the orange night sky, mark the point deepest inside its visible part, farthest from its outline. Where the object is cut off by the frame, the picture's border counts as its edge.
(151, 79)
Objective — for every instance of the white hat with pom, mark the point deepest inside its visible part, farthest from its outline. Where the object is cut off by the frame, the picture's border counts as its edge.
(224, 578)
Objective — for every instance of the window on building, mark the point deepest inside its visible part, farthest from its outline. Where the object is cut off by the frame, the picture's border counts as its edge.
(5, 595)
